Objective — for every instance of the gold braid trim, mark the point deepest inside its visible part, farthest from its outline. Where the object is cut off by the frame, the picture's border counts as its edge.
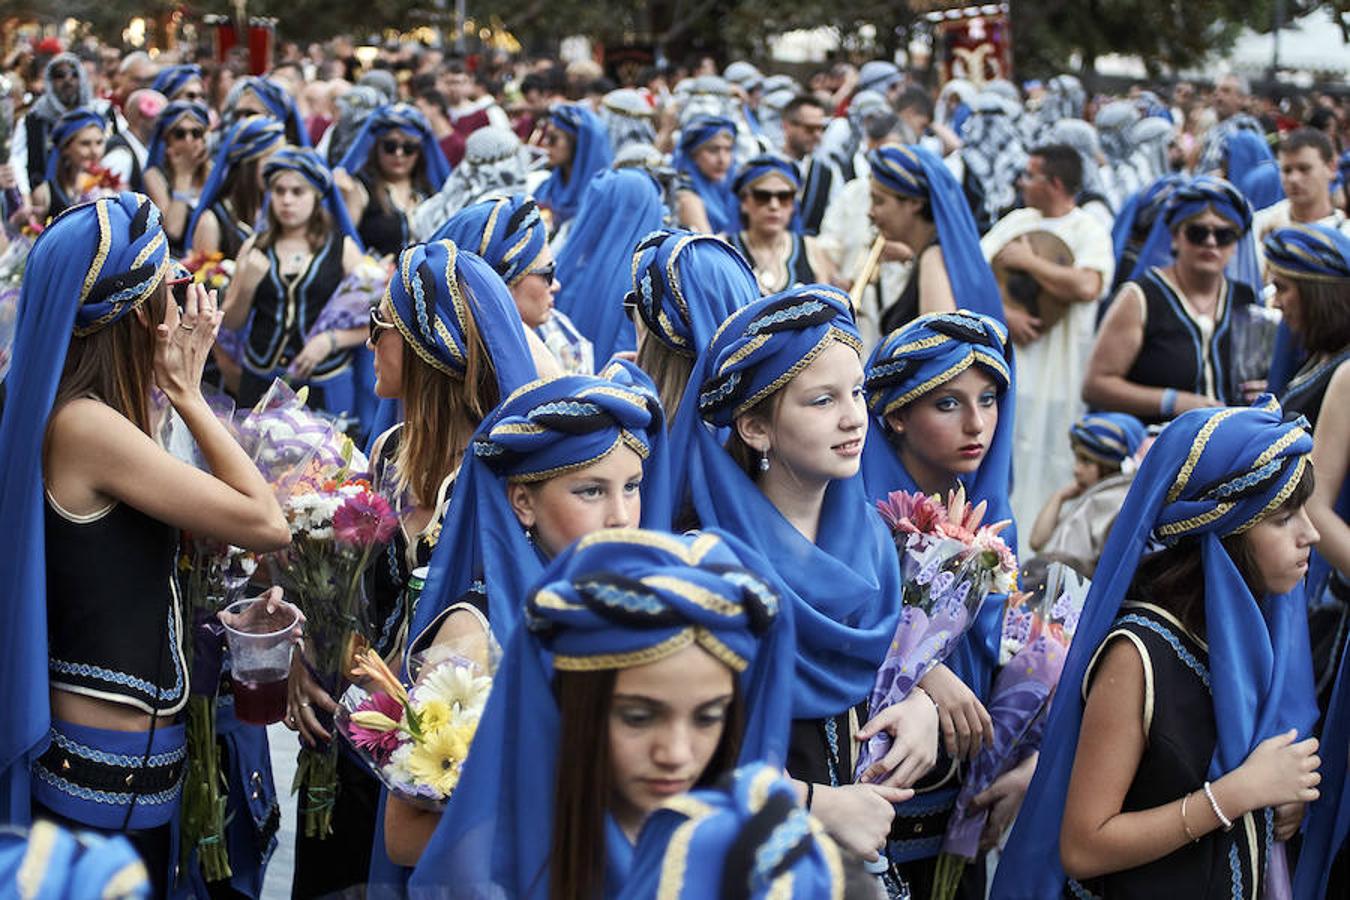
(1197, 448)
(673, 644)
(936, 381)
(36, 859)
(720, 651)
(676, 861)
(696, 594)
(759, 788)
(1280, 497)
(833, 334)
(1218, 512)
(101, 255)
(546, 474)
(1278, 447)
(128, 879)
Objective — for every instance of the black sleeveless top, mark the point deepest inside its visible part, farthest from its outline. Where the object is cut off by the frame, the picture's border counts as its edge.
(233, 233)
(1303, 395)
(1174, 352)
(383, 227)
(796, 268)
(113, 611)
(286, 308)
(905, 309)
(1181, 736)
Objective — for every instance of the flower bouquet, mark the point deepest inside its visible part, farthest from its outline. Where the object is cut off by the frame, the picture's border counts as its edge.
(949, 562)
(12, 264)
(1037, 632)
(350, 304)
(415, 741)
(95, 182)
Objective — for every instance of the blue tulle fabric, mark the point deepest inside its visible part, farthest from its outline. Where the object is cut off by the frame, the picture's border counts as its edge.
(620, 208)
(1250, 164)
(248, 139)
(508, 232)
(1108, 437)
(1210, 474)
(1140, 210)
(615, 599)
(844, 590)
(398, 117)
(912, 171)
(562, 192)
(172, 79)
(176, 112)
(719, 200)
(1203, 192)
(310, 166)
(103, 259)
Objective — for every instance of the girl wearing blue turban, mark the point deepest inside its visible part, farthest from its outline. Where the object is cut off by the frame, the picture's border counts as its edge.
(91, 671)
(780, 256)
(647, 664)
(684, 286)
(1165, 344)
(178, 166)
(578, 150)
(620, 208)
(917, 202)
(394, 164)
(284, 278)
(449, 345)
(784, 378)
(705, 157)
(77, 141)
(1172, 742)
(232, 198)
(181, 83)
(257, 96)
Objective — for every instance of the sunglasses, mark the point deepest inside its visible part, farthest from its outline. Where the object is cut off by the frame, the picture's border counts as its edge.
(378, 326)
(1199, 234)
(763, 197)
(191, 96)
(64, 74)
(178, 134)
(546, 273)
(399, 148)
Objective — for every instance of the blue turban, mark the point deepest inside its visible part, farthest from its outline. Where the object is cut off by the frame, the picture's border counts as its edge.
(172, 79)
(616, 599)
(1190, 199)
(65, 129)
(620, 208)
(1139, 211)
(914, 172)
(51, 863)
(916, 359)
(546, 428)
(724, 210)
(1309, 252)
(747, 838)
(175, 112)
(563, 190)
(400, 117)
(757, 167)
(508, 232)
(247, 140)
(844, 589)
(686, 284)
(1108, 437)
(93, 264)
(278, 102)
(1210, 474)
(310, 166)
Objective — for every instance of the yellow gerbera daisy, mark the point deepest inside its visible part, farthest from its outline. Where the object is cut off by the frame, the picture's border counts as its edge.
(436, 761)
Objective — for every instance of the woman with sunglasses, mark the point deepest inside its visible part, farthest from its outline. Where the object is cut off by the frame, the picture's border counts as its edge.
(393, 165)
(1165, 344)
(77, 144)
(781, 258)
(183, 83)
(578, 149)
(177, 166)
(706, 159)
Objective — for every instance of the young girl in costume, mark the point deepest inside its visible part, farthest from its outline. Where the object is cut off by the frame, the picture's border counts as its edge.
(578, 150)
(177, 166)
(706, 158)
(77, 141)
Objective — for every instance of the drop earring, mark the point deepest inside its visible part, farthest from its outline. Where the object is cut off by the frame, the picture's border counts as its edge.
(764, 460)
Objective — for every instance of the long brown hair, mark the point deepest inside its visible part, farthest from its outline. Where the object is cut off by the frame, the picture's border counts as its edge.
(378, 187)
(241, 189)
(670, 371)
(584, 784)
(1325, 308)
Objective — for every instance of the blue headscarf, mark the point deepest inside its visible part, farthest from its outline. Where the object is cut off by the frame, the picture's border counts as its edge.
(620, 208)
(280, 105)
(912, 171)
(1108, 437)
(1250, 164)
(175, 112)
(748, 839)
(247, 140)
(844, 589)
(546, 428)
(563, 191)
(1210, 474)
(916, 359)
(401, 117)
(1139, 211)
(310, 166)
(93, 265)
(758, 167)
(615, 599)
(172, 79)
(1328, 823)
(65, 129)
(685, 284)
(724, 210)
(508, 232)
(1203, 192)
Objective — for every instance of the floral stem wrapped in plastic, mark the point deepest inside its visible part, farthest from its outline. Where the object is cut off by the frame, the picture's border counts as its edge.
(949, 563)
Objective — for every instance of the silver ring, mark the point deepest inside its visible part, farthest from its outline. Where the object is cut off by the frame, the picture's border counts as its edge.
(186, 327)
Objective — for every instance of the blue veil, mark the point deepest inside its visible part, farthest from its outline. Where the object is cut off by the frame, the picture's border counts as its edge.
(1139, 211)
(1108, 437)
(103, 259)
(1191, 199)
(724, 210)
(1210, 474)
(278, 102)
(175, 112)
(508, 232)
(620, 208)
(403, 117)
(248, 139)
(912, 171)
(310, 166)
(844, 589)
(615, 599)
(563, 193)
(1250, 164)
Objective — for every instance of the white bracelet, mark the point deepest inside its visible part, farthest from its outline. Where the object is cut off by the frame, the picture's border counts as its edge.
(1226, 822)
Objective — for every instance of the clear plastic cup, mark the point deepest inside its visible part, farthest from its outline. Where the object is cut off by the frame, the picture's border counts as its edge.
(260, 645)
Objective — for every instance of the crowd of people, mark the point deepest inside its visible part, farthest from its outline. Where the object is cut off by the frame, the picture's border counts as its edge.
(643, 359)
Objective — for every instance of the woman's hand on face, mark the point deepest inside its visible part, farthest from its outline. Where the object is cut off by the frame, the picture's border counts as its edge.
(913, 726)
(303, 694)
(966, 726)
(183, 342)
(858, 815)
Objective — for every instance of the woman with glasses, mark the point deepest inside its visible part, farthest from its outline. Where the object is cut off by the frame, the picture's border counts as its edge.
(578, 149)
(767, 186)
(1165, 344)
(177, 166)
(183, 83)
(392, 166)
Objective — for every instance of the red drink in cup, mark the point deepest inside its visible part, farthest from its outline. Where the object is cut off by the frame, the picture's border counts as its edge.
(260, 642)
(263, 701)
